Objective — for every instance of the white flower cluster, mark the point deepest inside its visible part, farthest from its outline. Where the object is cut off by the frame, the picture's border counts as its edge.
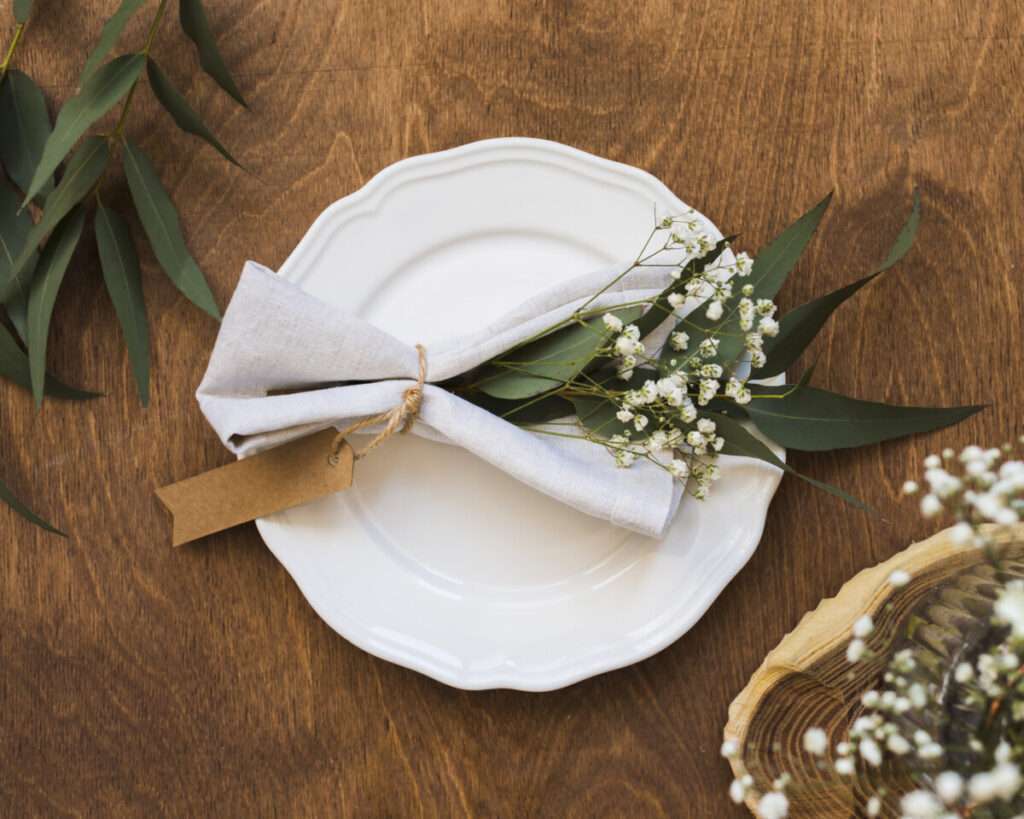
(976, 487)
(666, 417)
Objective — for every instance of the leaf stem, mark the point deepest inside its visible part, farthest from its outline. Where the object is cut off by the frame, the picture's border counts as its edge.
(150, 39)
(18, 31)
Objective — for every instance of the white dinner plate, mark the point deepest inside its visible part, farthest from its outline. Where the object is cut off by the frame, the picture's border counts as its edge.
(434, 559)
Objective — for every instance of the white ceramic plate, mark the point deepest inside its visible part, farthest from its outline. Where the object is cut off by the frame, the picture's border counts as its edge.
(435, 560)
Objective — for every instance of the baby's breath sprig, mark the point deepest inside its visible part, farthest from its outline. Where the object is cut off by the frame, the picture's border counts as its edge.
(672, 379)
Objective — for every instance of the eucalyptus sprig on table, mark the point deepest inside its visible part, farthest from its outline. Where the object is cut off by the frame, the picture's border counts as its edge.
(703, 391)
(60, 171)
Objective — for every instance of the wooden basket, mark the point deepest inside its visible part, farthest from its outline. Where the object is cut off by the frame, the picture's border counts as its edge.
(806, 681)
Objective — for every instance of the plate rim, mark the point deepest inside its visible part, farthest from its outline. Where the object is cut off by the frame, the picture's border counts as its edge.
(306, 252)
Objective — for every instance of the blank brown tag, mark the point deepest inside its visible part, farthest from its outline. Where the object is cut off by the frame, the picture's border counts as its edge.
(271, 481)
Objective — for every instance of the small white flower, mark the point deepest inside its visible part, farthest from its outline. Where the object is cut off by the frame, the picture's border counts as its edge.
(640, 423)
(612, 322)
(676, 300)
(864, 626)
(910, 487)
(730, 748)
(920, 804)
(873, 807)
(898, 744)
(930, 506)
(855, 650)
(899, 578)
(714, 311)
(706, 425)
(949, 785)
(815, 741)
(845, 766)
(1009, 606)
(768, 327)
(930, 750)
(737, 791)
(624, 415)
(871, 699)
(932, 462)
(870, 752)
(773, 805)
(964, 673)
(679, 341)
(962, 533)
(679, 469)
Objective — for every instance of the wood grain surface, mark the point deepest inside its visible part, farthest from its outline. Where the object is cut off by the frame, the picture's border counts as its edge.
(140, 680)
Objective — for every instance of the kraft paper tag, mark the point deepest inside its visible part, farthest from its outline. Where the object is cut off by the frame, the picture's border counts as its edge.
(271, 481)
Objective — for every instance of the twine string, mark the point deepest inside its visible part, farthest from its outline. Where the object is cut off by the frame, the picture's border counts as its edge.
(399, 418)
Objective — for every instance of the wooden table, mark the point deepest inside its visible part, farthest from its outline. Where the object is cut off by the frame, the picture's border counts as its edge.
(138, 680)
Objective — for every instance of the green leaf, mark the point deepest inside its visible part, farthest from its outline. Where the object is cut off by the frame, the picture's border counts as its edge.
(549, 361)
(740, 441)
(99, 94)
(14, 367)
(84, 169)
(597, 416)
(109, 35)
(53, 263)
(525, 412)
(177, 106)
(798, 328)
(17, 312)
(26, 127)
(160, 221)
(15, 227)
(22, 10)
(815, 420)
(124, 284)
(8, 497)
(196, 25)
(774, 262)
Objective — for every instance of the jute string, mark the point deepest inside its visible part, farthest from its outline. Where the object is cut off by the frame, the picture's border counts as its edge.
(399, 418)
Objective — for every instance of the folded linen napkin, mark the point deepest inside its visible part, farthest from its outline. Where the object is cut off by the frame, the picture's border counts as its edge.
(275, 336)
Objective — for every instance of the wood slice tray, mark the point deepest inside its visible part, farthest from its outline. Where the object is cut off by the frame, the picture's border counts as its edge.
(806, 681)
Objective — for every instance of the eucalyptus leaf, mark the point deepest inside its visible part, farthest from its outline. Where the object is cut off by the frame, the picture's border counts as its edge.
(554, 359)
(53, 264)
(83, 171)
(26, 128)
(8, 497)
(740, 441)
(14, 367)
(22, 10)
(100, 92)
(179, 109)
(17, 312)
(160, 221)
(815, 420)
(798, 328)
(15, 227)
(774, 262)
(196, 25)
(109, 35)
(524, 412)
(124, 284)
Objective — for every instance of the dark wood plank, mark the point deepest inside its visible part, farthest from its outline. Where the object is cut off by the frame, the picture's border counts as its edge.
(137, 680)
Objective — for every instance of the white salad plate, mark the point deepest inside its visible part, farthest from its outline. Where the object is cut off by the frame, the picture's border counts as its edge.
(435, 560)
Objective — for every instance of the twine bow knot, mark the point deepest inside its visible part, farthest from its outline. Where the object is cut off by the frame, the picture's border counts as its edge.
(399, 418)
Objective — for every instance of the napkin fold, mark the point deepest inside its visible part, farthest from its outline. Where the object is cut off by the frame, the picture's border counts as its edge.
(276, 337)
